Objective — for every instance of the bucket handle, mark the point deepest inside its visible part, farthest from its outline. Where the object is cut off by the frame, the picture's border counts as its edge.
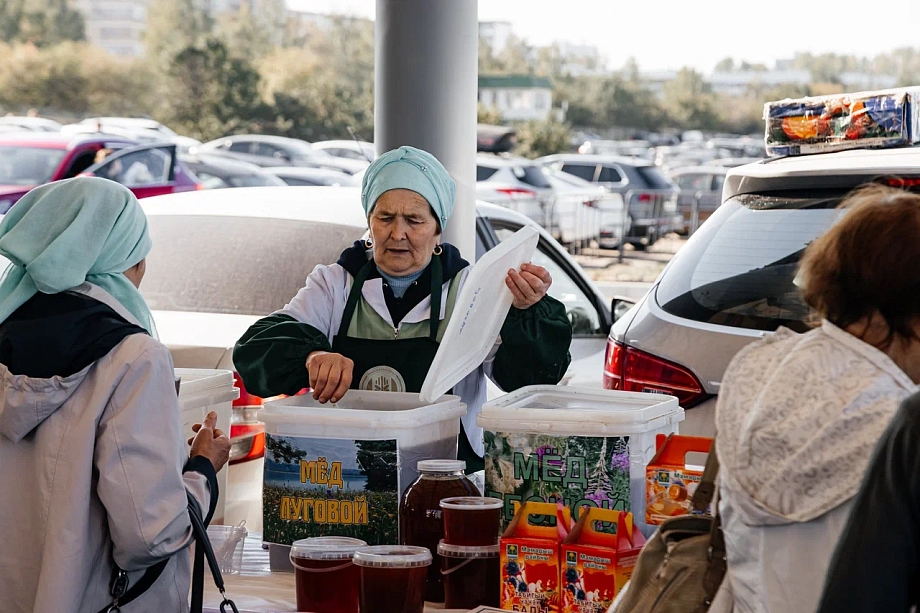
(321, 570)
(457, 567)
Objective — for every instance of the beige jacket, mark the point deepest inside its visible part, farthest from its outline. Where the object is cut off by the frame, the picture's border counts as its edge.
(91, 475)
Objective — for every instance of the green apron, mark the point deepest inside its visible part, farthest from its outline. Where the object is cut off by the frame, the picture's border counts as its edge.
(398, 364)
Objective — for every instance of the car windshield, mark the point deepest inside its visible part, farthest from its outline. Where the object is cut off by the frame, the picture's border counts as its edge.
(738, 269)
(253, 180)
(236, 265)
(28, 165)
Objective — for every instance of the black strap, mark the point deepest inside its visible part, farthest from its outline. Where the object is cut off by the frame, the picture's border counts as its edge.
(353, 296)
(122, 596)
(437, 282)
(203, 549)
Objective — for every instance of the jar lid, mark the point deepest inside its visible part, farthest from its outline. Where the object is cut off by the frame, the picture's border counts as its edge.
(461, 551)
(393, 556)
(472, 503)
(441, 466)
(326, 548)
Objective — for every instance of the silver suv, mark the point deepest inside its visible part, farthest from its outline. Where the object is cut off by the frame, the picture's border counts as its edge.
(731, 283)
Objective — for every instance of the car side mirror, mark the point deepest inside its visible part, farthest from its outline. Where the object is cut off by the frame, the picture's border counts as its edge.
(620, 306)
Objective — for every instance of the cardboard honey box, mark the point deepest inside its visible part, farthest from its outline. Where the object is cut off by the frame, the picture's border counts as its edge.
(530, 558)
(598, 558)
(589, 557)
(670, 482)
(629, 545)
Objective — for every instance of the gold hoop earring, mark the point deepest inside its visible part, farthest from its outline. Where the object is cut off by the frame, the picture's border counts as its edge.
(368, 243)
(438, 250)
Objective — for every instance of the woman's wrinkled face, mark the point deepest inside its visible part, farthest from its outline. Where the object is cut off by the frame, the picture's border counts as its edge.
(404, 232)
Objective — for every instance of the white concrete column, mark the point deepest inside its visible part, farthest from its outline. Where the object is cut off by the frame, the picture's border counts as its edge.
(425, 93)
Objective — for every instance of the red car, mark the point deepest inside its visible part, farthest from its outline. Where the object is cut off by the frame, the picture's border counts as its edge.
(28, 160)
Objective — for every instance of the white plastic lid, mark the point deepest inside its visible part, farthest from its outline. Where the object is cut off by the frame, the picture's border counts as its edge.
(571, 411)
(441, 466)
(462, 551)
(471, 503)
(393, 556)
(326, 548)
(479, 313)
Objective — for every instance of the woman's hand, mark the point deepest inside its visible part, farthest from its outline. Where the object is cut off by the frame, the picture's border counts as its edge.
(330, 375)
(210, 442)
(528, 286)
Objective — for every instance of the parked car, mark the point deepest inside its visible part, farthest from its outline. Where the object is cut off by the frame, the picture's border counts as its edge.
(217, 173)
(29, 124)
(301, 177)
(495, 139)
(732, 283)
(29, 159)
(650, 196)
(138, 129)
(704, 183)
(269, 151)
(348, 149)
(147, 170)
(209, 282)
(583, 211)
(516, 183)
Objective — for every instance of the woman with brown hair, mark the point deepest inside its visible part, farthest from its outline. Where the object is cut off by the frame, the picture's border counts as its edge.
(798, 416)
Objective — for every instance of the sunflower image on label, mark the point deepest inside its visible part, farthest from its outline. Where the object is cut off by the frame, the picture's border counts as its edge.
(576, 470)
(327, 487)
(382, 379)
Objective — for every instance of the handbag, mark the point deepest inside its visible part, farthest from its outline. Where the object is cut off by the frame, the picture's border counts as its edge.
(122, 595)
(682, 566)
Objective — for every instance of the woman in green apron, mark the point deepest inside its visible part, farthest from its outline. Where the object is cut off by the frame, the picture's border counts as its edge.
(374, 319)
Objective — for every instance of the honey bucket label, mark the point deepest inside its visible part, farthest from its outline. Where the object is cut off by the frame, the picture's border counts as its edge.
(325, 487)
(577, 470)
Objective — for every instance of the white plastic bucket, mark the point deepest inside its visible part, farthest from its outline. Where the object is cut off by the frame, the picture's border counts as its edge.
(200, 392)
(421, 431)
(523, 427)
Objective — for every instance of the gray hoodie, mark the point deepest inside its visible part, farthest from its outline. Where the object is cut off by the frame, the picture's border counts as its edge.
(91, 475)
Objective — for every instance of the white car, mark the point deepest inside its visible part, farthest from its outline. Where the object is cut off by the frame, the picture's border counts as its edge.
(147, 130)
(348, 149)
(222, 259)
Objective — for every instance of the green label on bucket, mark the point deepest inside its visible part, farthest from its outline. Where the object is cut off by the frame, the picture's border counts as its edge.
(577, 470)
(325, 487)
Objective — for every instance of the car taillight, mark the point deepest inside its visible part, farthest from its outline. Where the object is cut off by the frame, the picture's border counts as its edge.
(631, 370)
(903, 182)
(246, 399)
(247, 433)
(590, 203)
(644, 197)
(517, 192)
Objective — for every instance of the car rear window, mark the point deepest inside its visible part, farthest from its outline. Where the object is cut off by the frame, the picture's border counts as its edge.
(582, 171)
(28, 165)
(235, 265)
(483, 173)
(532, 175)
(653, 177)
(739, 268)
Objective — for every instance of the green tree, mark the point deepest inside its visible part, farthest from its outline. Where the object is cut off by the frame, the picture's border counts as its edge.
(377, 462)
(282, 451)
(51, 78)
(211, 92)
(488, 116)
(690, 102)
(539, 138)
(173, 26)
(725, 65)
(43, 23)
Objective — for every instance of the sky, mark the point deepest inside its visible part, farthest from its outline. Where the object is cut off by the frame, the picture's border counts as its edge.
(670, 34)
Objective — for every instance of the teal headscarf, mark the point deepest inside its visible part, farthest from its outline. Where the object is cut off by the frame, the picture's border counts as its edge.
(415, 170)
(63, 234)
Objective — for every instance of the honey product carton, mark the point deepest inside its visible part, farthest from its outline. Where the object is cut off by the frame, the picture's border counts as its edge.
(629, 545)
(530, 558)
(669, 481)
(589, 562)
